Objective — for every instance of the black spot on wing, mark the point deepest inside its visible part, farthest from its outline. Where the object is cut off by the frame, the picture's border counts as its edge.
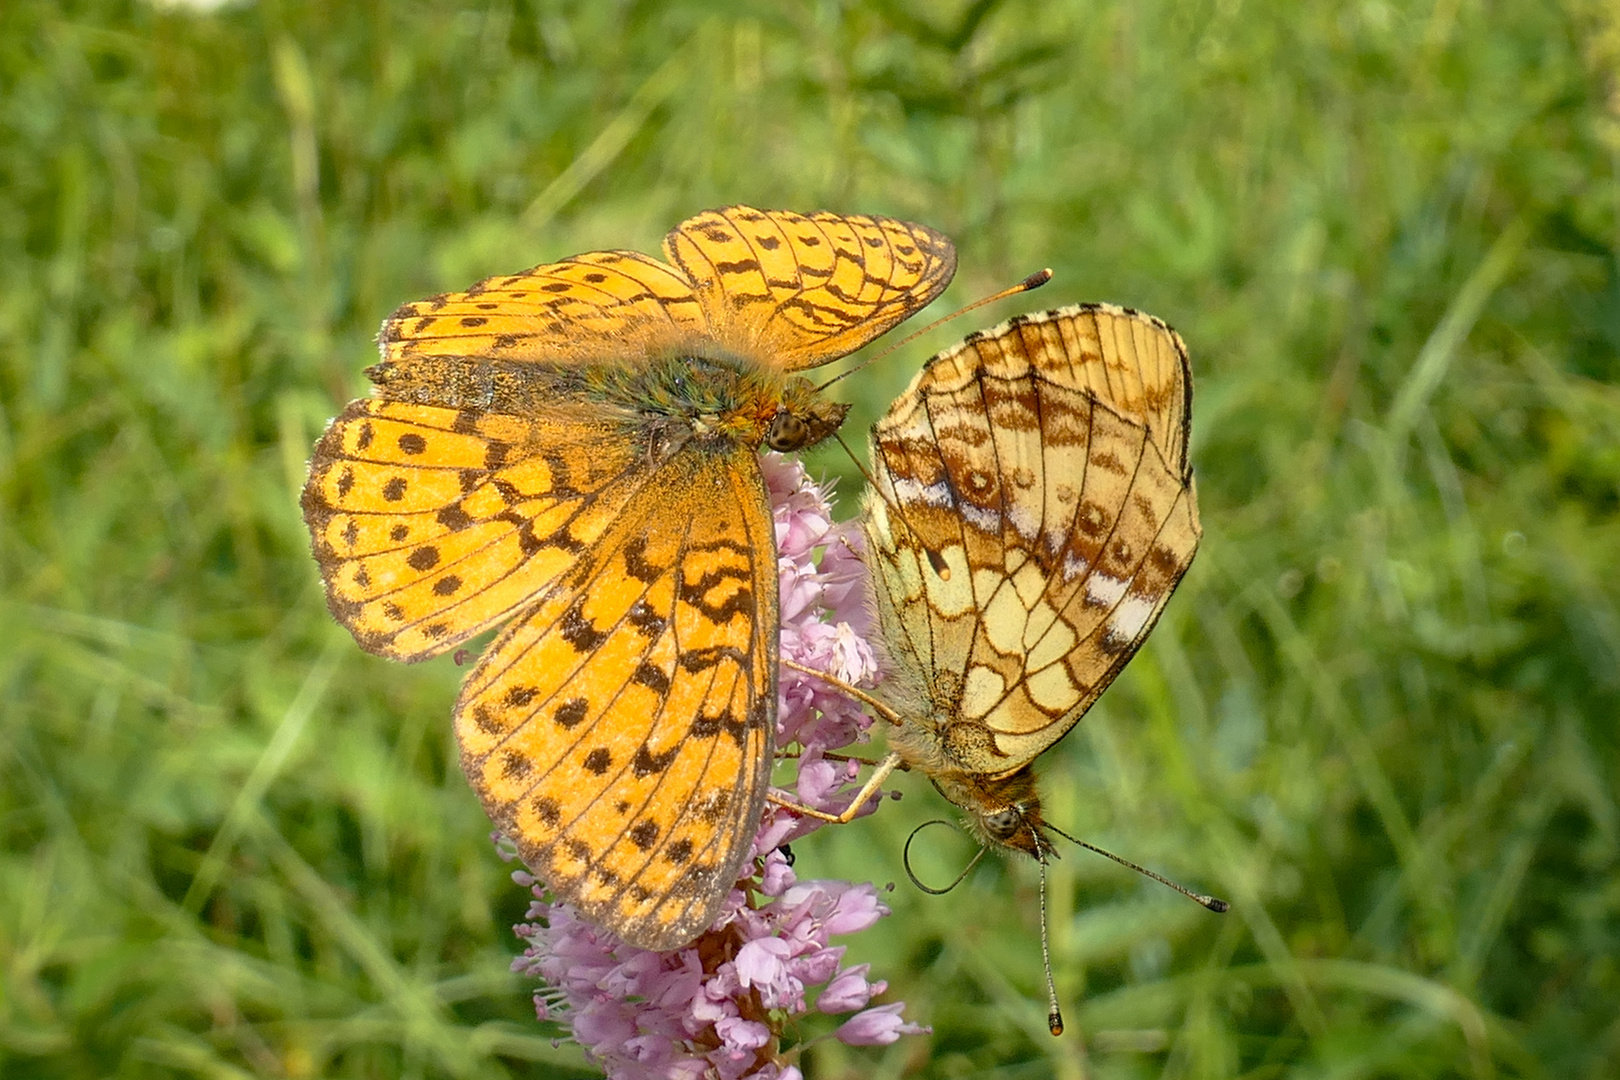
(646, 763)
(454, 518)
(652, 677)
(579, 632)
(570, 713)
(644, 834)
(636, 564)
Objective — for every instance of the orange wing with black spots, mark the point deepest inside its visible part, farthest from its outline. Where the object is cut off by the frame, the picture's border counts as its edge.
(786, 290)
(805, 289)
(621, 730)
(431, 525)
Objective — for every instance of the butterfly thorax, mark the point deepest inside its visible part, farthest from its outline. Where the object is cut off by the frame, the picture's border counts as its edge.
(723, 400)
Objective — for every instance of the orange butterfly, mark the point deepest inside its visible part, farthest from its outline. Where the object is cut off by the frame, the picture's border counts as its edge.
(572, 448)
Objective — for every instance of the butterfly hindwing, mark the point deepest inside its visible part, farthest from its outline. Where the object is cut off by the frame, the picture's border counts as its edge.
(621, 730)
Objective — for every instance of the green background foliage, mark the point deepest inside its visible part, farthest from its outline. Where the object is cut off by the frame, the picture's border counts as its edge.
(1379, 716)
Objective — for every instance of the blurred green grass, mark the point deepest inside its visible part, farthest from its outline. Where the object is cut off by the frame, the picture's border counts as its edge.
(1380, 715)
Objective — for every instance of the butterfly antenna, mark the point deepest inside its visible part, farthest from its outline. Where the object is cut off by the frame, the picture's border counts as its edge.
(1214, 904)
(1054, 1015)
(1034, 281)
(859, 464)
(915, 880)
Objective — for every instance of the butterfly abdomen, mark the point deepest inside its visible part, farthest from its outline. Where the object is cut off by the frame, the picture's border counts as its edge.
(477, 383)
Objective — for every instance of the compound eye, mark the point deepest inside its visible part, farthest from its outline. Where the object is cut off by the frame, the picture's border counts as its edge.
(1002, 824)
(787, 432)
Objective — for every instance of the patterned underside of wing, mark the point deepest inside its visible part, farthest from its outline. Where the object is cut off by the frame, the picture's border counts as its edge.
(431, 524)
(797, 290)
(621, 731)
(1061, 524)
(597, 306)
(1130, 361)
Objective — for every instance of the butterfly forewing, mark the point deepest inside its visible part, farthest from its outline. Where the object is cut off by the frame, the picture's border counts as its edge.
(804, 289)
(1034, 511)
(603, 305)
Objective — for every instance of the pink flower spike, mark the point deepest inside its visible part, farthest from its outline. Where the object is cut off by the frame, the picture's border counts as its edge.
(743, 1034)
(778, 875)
(778, 826)
(817, 779)
(819, 965)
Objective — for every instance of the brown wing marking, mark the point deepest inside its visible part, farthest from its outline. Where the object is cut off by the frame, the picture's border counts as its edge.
(799, 290)
(430, 525)
(621, 731)
(926, 593)
(1132, 362)
(1100, 599)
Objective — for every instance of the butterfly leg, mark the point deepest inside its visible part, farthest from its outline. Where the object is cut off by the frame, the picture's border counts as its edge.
(879, 774)
(794, 755)
(853, 691)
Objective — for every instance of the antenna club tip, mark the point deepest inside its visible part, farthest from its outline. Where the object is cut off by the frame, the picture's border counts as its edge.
(1037, 279)
(1215, 904)
(1054, 1023)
